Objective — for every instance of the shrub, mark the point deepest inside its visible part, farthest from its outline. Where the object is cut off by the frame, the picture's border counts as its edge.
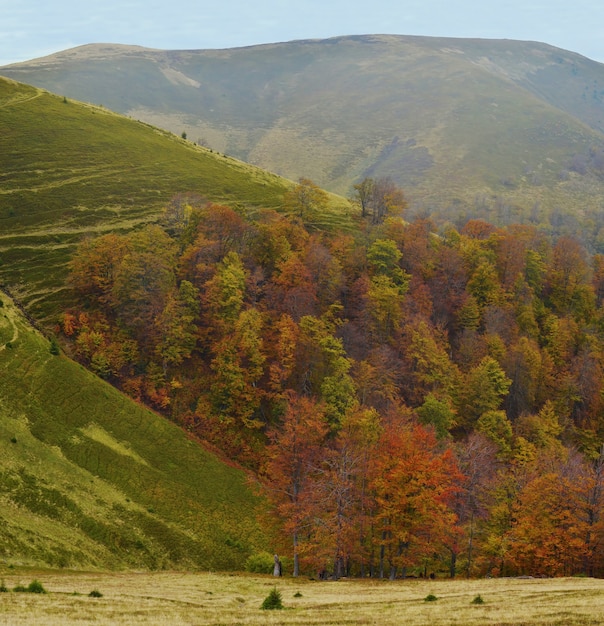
(297, 594)
(95, 594)
(478, 600)
(430, 598)
(260, 563)
(35, 586)
(272, 601)
(54, 346)
(3, 587)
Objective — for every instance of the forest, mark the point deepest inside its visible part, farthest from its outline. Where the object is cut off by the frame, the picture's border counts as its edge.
(410, 398)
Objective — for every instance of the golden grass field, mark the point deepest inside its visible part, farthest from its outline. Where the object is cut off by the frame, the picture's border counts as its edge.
(177, 598)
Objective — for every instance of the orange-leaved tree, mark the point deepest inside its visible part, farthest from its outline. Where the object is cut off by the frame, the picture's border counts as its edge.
(341, 501)
(548, 534)
(414, 479)
(293, 457)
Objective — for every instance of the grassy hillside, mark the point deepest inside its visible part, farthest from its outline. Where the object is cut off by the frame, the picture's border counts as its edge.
(89, 478)
(462, 125)
(68, 171)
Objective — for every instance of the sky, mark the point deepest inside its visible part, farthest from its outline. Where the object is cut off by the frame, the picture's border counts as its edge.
(35, 28)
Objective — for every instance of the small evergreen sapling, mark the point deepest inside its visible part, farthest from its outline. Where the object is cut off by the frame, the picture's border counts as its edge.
(272, 601)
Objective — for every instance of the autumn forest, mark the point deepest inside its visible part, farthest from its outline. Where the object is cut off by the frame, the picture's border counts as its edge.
(410, 398)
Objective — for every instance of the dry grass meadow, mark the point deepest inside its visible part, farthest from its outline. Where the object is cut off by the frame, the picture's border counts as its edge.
(205, 598)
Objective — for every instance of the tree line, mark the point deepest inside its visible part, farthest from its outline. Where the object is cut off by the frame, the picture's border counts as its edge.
(411, 398)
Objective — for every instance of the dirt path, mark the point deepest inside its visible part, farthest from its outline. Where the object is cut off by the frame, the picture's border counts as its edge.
(15, 101)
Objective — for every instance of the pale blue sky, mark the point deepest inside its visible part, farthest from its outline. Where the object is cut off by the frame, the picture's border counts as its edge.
(33, 28)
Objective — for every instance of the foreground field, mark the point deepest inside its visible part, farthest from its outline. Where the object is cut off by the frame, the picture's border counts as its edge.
(206, 598)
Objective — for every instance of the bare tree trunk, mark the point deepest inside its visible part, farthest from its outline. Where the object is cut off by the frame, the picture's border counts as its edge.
(296, 559)
(594, 508)
(453, 566)
(382, 550)
(470, 545)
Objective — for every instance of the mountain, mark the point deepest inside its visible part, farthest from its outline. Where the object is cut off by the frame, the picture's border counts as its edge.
(509, 130)
(71, 171)
(89, 478)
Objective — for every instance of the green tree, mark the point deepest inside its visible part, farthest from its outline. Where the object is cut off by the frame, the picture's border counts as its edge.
(225, 291)
(384, 303)
(383, 257)
(496, 427)
(484, 285)
(178, 325)
(438, 414)
(433, 370)
(485, 387)
(387, 285)
(306, 200)
(363, 193)
(238, 365)
(543, 429)
(327, 368)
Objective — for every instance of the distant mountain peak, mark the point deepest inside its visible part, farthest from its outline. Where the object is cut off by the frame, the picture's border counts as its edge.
(456, 122)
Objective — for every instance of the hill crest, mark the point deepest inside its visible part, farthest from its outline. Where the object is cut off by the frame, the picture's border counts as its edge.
(455, 122)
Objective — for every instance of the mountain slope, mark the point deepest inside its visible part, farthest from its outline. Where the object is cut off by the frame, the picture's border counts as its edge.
(90, 478)
(467, 123)
(69, 171)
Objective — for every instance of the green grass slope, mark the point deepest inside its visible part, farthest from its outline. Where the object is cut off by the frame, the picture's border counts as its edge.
(68, 171)
(88, 478)
(456, 122)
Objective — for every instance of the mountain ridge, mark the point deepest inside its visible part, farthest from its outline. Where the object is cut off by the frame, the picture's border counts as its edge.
(453, 121)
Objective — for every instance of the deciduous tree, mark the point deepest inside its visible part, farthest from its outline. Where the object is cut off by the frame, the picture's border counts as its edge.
(414, 481)
(293, 456)
(306, 200)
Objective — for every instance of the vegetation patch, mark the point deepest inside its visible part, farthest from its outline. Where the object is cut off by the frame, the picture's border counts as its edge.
(260, 563)
(35, 586)
(272, 601)
(97, 433)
